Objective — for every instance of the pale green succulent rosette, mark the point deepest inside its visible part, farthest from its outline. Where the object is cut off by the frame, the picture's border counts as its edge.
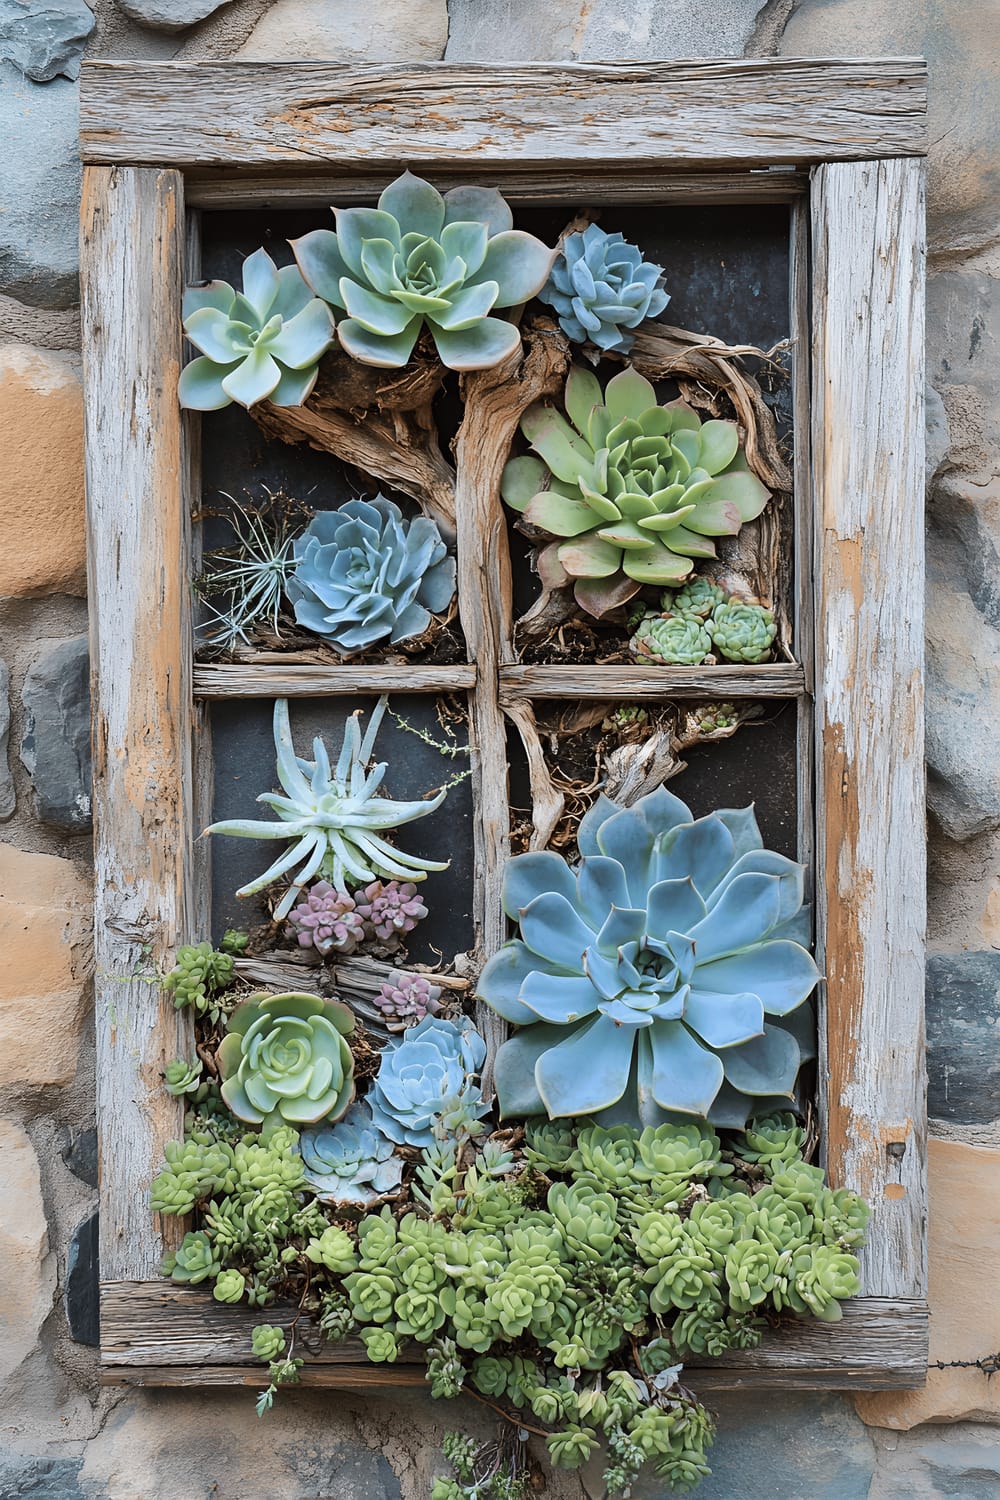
(423, 259)
(674, 640)
(633, 491)
(742, 632)
(285, 1058)
(334, 815)
(262, 343)
(665, 977)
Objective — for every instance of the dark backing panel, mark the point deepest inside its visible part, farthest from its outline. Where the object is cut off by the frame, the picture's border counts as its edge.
(243, 745)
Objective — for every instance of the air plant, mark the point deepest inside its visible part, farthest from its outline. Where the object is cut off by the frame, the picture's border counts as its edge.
(253, 573)
(423, 259)
(334, 816)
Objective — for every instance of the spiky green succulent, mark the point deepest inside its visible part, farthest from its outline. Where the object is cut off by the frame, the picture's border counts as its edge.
(285, 1058)
(335, 816)
(264, 342)
(742, 632)
(633, 491)
(659, 976)
(422, 260)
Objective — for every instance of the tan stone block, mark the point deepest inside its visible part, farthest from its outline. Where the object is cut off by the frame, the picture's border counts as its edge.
(44, 940)
(41, 473)
(27, 1268)
(964, 1221)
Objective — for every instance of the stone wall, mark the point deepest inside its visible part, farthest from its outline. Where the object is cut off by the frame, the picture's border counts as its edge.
(61, 1436)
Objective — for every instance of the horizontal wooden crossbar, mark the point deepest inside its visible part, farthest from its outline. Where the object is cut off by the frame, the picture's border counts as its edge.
(252, 680)
(156, 1333)
(703, 113)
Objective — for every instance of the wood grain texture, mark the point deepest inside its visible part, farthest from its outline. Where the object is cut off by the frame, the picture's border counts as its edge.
(868, 457)
(651, 184)
(249, 680)
(693, 114)
(138, 558)
(880, 1343)
(628, 684)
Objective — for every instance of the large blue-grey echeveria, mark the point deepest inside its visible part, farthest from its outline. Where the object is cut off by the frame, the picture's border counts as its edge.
(363, 574)
(601, 288)
(420, 258)
(262, 343)
(426, 1076)
(666, 975)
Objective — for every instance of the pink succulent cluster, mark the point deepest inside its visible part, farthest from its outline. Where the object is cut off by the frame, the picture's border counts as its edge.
(327, 920)
(405, 999)
(390, 910)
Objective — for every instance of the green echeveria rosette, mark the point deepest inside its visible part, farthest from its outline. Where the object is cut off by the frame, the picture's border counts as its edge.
(666, 976)
(699, 596)
(362, 574)
(425, 1077)
(263, 343)
(673, 640)
(423, 259)
(742, 632)
(633, 492)
(285, 1059)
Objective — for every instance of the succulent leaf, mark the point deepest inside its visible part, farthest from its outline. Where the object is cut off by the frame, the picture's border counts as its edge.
(601, 287)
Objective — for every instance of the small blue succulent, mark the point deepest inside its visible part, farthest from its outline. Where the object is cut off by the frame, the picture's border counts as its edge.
(351, 1162)
(363, 573)
(427, 1076)
(600, 286)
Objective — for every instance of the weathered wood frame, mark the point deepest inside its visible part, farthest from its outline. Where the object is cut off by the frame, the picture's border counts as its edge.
(843, 142)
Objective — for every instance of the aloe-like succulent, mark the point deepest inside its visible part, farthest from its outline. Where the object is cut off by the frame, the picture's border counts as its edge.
(601, 287)
(742, 632)
(423, 259)
(363, 574)
(285, 1058)
(634, 492)
(351, 1162)
(334, 815)
(264, 342)
(660, 976)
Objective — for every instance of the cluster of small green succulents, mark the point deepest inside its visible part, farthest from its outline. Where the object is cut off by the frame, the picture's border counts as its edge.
(700, 619)
(565, 1281)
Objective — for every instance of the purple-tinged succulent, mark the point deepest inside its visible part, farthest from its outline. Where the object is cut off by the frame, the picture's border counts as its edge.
(327, 920)
(405, 999)
(390, 909)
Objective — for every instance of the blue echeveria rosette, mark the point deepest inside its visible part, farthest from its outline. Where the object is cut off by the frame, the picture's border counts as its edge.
(352, 1161)
(601, 287)
(664, 977)
(426, 1075)
(364, 574)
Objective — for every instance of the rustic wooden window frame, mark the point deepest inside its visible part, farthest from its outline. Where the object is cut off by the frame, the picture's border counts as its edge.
(843, 143)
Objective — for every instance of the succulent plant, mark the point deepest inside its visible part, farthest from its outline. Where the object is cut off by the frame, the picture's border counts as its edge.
(699, 596)
(250, 575)
(181, 1077)
(424, 1074)
(229, 1286)
(199, 974)
(195, 1260)
(263, 342)
(364, 574)
(714, 718)
(405, 999)
(327, 920)
(334, 816)
(285, 1058)
(742, 632)
(351, 1162)
(390, 910)
(267, 1341)
(674, 640)
(772, 1140)
(420, 258)
(656, 977)
(601, 287)
(635, 491)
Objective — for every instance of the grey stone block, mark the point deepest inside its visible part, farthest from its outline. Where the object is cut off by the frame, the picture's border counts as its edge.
(82, 1290)
(56, 744)
(963, 1037)
(23, 1477)
(39, 190)
(7, 797)
(80, 1155)
(45, 37)
(665, 28)
(169, 15)
(350, 1472)
(511, 31)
